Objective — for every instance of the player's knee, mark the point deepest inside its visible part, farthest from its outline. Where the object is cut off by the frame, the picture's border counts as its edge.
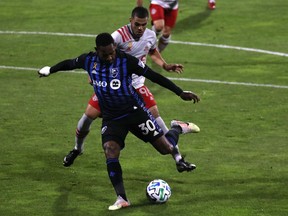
(92, 112)
(111, 149)
(154, 111)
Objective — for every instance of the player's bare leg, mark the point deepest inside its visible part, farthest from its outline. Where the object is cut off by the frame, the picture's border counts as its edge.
(158, 26)
(155, 113)
(165, 38)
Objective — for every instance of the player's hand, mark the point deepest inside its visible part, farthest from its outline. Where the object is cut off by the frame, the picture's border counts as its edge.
(44, 72)
(188, 95)
(177, 68)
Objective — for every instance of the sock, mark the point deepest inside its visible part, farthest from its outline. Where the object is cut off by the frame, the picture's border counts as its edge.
(177, 128)
(115, 174)
(82, 130)
(173, 137)
(162, 124)
(163, 42)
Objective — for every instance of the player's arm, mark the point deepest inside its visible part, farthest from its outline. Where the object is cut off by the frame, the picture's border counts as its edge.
(158, 59)
(66, 65)
(141, 69)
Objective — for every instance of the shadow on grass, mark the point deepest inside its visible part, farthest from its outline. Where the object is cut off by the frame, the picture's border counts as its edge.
(192, 22)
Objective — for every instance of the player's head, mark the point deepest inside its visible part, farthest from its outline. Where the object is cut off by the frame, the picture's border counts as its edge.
(105, 47)
(139, 19)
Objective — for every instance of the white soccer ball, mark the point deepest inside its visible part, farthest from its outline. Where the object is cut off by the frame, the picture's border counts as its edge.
(158, 191)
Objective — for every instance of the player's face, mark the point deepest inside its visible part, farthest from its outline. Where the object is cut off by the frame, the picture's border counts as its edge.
(106, 53)
(138, 25)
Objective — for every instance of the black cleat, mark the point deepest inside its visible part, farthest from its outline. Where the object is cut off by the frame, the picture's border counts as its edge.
(183, 165)
(70, 157)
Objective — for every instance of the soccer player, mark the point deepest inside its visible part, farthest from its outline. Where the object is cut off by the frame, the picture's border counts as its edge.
(212, 4)
(164, 15)
(122, 108)
(138, 41)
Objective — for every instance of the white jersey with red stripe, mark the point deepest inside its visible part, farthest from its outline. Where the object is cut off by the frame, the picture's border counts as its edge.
(167, 4)
(139, 48)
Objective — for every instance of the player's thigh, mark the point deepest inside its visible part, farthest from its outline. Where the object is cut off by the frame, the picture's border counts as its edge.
(114, 131)
(144, 126)
(93, 109)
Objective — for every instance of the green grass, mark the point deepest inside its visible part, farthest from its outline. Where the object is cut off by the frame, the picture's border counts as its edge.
(240, 153)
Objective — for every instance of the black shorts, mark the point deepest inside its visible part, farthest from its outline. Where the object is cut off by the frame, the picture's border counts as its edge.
(140, 123)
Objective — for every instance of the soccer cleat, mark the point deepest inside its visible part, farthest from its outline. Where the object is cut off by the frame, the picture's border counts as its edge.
(187, 127)
(120, 203)
(70, 157)
(183, 165)
(211, 4)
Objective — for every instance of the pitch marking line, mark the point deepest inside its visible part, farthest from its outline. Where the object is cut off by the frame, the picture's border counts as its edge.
(175, 42)
(171, 78)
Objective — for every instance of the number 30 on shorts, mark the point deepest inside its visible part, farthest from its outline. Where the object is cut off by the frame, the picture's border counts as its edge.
(147, 126)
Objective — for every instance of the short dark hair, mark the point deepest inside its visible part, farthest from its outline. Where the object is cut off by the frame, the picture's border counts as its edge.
(140, 12)
(104, 39)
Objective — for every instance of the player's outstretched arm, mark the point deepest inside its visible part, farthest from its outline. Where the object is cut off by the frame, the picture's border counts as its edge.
(65, 65)
(188, 95)
(44, 72)
(177, 68)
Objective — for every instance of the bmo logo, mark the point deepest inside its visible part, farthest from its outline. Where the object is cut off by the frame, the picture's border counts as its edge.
(115, 84)
(100, 83)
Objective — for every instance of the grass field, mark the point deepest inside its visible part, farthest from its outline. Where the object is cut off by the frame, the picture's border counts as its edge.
(240, 153)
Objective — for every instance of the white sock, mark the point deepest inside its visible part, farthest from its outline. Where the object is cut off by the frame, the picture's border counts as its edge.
(176, 154)
(162, 124)
(82, 130)
(163, 42)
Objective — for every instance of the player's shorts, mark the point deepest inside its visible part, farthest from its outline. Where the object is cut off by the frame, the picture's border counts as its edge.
(147, 96)
(94, 102)
(140, 123)
(169, 16)
(143, 91)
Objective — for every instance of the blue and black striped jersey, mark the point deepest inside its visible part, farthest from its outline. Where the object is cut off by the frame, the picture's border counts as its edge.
(113, 82)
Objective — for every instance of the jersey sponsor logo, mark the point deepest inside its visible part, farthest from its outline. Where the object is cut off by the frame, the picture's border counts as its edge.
(100, 83)
(114, 72)
(115, 84)
(141, 64)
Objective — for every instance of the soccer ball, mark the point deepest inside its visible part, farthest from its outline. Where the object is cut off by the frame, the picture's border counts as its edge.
(158, 191)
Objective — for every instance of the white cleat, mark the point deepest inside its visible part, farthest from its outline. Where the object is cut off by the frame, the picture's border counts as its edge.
(120, 203)
(187, 127)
